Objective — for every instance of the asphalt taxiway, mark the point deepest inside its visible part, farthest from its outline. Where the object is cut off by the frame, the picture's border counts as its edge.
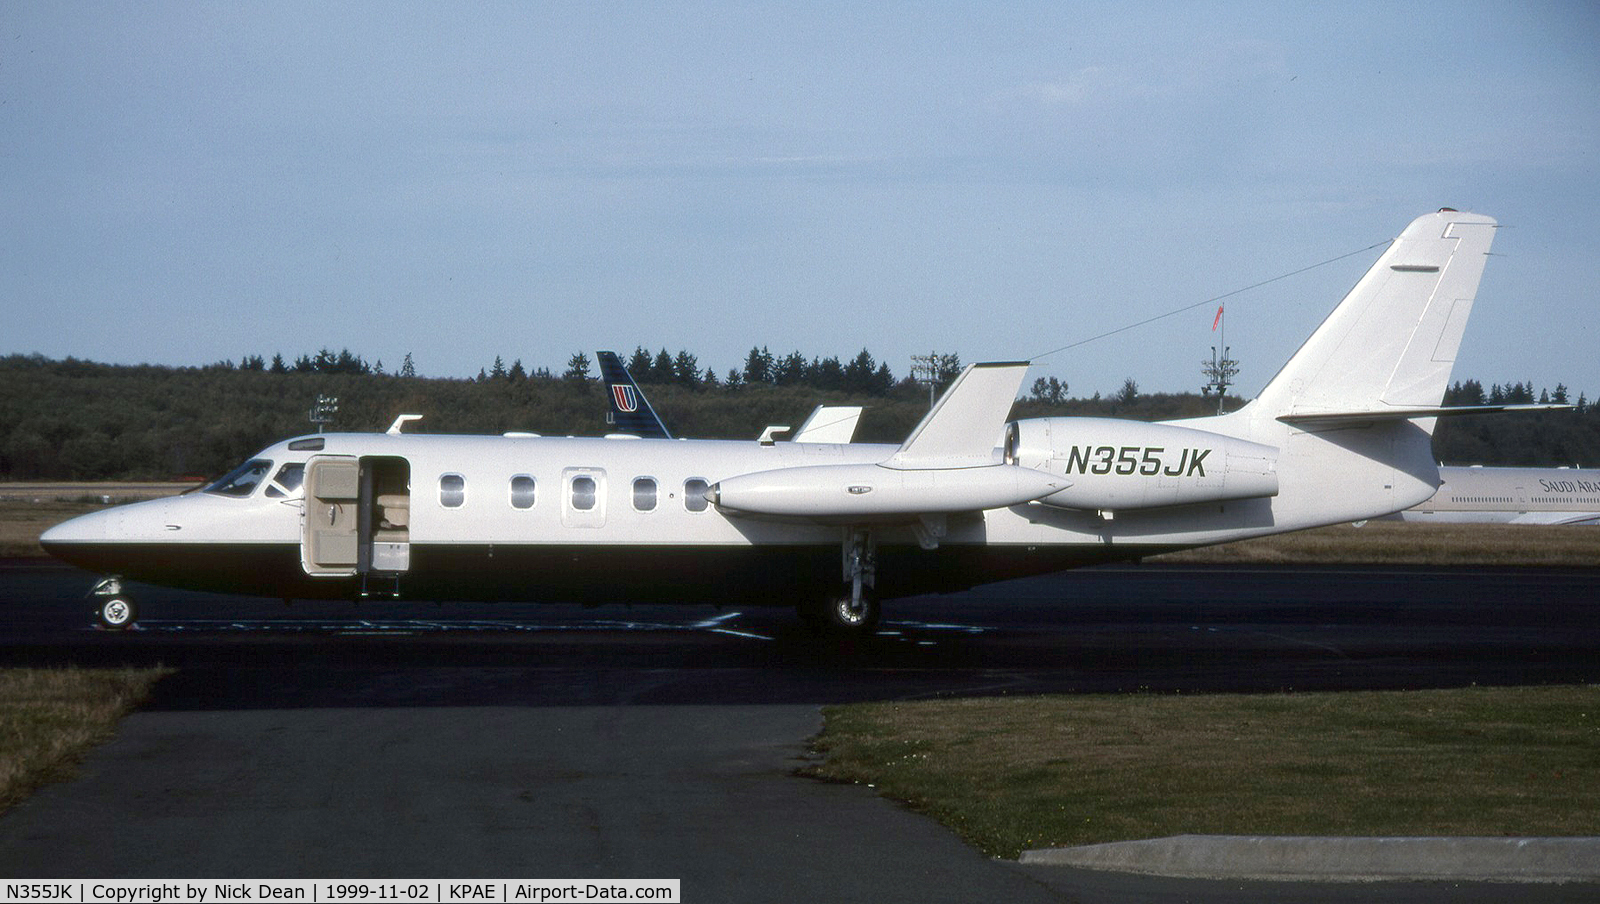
(411, 740)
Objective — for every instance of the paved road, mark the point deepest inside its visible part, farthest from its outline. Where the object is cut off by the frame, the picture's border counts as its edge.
(549, 741)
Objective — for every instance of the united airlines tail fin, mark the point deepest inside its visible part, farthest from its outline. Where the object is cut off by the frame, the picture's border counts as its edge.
(630, 411)
(1386, 351)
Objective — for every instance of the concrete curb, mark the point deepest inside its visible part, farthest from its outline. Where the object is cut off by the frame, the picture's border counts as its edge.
(1338, 859)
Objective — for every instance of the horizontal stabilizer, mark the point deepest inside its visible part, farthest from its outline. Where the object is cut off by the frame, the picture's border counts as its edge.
(1338, 418)
(968, 423)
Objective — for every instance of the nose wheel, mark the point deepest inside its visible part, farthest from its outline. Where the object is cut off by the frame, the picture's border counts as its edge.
(114, 610)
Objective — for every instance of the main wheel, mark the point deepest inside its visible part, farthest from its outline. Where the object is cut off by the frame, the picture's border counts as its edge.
(116, 613)
(846, 614)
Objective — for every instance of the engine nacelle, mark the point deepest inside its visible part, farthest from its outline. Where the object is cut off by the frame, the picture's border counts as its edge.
(1118, 465)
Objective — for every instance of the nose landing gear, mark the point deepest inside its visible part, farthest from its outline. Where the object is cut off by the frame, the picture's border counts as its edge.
(114, 610)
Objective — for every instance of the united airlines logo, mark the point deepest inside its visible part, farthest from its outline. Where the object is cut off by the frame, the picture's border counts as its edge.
(627, 401)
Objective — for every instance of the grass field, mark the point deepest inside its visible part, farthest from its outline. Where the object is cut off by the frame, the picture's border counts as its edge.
(1010, 774)
(50, 718)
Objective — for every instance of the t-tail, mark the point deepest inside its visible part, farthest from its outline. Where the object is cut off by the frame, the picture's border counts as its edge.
(1388, 348)
(1353, 411)
(630, 411)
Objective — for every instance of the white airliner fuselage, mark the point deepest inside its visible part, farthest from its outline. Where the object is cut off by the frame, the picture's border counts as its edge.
(1342, 433)
(1511, 496)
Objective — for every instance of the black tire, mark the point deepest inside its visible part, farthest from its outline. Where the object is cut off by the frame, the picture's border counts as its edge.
(844, 616)
(116, 613)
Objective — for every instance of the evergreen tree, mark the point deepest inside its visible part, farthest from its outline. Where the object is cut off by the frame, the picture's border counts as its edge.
(660, 368)
(577, 368)
(639, 364)
(827, 374)
(947, 368)
(686, 369)
(791, 371)
(758, 366)
(859, 373)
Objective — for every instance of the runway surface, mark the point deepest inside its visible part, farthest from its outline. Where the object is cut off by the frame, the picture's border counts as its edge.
(409, 740)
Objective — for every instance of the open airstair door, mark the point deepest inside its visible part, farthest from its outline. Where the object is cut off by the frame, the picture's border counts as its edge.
(357, 516)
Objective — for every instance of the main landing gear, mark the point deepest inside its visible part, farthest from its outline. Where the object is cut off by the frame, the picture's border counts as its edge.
(113, 609)
(855, 610)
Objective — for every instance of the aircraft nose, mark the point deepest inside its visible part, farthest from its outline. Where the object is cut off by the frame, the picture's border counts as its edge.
(94, 527)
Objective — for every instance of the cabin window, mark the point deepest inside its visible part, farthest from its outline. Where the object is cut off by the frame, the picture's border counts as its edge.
(287, 481)
(522, 487)
(644, 494)
(452, 490)
(583, 493)
(243, 480)
(694, 494)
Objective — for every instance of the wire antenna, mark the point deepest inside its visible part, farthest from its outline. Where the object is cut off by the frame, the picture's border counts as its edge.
(1213, 300)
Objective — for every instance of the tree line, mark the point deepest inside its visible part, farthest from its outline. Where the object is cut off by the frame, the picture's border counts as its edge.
(861, 375)
(79, 420)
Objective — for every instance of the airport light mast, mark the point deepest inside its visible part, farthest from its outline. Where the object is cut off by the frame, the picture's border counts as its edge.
(323, 410)
(1221, 369)
(931, 369)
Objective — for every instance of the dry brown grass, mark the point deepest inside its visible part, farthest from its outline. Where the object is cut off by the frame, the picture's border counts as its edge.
(1402, 543)
(51, 718)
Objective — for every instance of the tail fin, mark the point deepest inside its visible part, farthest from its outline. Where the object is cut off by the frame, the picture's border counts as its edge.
(829, 424)
(1390, 344)
(630, 411)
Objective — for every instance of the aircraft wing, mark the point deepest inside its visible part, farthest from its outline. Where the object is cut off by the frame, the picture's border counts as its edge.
(968, 423)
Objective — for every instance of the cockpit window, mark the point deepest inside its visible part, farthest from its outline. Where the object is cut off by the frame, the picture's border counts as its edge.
(287, 481)
(243, 480)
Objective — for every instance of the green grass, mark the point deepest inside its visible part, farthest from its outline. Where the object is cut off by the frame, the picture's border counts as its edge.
(1010, 774)
(51, 718)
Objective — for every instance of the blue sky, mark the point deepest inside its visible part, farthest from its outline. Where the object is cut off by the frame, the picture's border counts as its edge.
(185, 183)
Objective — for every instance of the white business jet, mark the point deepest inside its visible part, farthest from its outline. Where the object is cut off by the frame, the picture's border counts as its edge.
(1341, 434)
